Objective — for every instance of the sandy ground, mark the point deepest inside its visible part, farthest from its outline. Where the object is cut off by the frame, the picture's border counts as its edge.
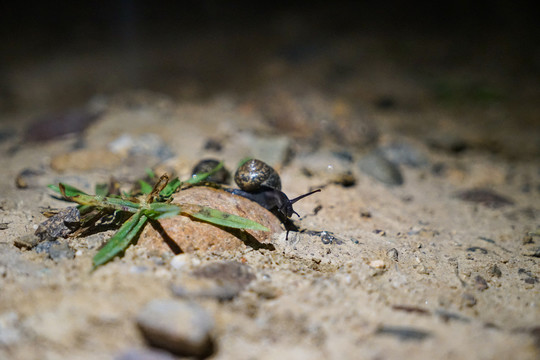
(420, 270)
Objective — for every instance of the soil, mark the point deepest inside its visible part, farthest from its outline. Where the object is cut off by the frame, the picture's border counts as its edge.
(436, 258)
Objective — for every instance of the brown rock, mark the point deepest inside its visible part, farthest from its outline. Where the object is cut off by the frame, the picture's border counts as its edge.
(185, 234)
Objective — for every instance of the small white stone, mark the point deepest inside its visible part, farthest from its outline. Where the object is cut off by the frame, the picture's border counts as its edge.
(377, 264)
(181, 327)
(180, 261)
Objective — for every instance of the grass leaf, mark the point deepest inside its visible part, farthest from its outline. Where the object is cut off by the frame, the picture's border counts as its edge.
(217, 217)
(69, 190)
(197, 178)
(160, 211)
(146, 188)
(120, 240)
(150, 173)
(105, 202)
(171, 187)
(102, 189)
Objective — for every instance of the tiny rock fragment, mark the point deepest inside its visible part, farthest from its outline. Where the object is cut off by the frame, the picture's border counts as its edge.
(181, 327)
(533, 251)
(403, 333)
(411, 309)
(27, 241)
(480, 283)
(468, 300)
(527, 276)
(393, 254)
(4, 226)
(58, 251)
(28, 178)
(377, 264)
(495, 271)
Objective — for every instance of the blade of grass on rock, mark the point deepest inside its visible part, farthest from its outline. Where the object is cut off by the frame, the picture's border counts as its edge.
(69, 190)
(121, 240)
(217, 217)
(171, 187)
(161, 211)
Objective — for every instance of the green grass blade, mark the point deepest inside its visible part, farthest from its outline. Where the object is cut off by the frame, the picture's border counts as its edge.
(197, 178)
(146, 188)
(217, 217)
(70, 190)
(119, 242)
(160, 211)
(107, 202)
(151, 174)
(171, 187)
(102, 189)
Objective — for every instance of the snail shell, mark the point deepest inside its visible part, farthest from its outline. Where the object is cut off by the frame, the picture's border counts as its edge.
(255, 175)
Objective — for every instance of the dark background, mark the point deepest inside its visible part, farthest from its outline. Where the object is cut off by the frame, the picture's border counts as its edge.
(57, 55)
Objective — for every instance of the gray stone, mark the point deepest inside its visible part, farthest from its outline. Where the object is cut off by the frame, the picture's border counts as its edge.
(380, 168)
(144, 354)
(220, 280)
(404, 154)
(181, 327)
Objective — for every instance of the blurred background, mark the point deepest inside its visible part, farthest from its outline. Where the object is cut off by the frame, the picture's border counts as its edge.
(478, 62)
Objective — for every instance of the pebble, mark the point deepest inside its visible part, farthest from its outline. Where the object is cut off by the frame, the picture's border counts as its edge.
(61, 251)
(402, 153)
(59, 225)
(468, 300)
(29, 178)
(181, 327)
(480, 283)
(28, 241)
(403, 333)
(144, 144)
(222, 280)
(381, 169)
(144, 354)
(9, 328)
(180, 261)
(222, 176)
(53, 126)
(527, 276)
(486, 197)
(377, 264)
(393, 254)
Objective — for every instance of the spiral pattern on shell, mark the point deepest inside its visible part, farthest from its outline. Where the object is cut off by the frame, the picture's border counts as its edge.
(255, 173)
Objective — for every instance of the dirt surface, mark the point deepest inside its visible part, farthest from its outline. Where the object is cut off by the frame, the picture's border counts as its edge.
(424, 242)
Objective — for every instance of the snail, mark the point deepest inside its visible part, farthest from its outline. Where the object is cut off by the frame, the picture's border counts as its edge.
(259, 182)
